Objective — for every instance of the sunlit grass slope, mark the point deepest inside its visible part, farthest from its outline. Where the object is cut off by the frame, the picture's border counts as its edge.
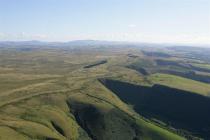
(180, 83)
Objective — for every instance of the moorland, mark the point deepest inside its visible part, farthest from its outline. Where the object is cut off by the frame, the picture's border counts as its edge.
(97, 90)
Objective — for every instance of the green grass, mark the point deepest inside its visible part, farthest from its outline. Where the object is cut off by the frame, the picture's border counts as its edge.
(36, 86)
(180, 83)
(7, 133)
(152, 132)
(205, 66)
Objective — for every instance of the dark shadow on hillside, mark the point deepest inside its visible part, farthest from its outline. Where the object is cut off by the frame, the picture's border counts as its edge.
(104, 125)
(141, 70)
(156, 54)
(178, 108)
(96, 64)
(188, 71)
(190, 75)
(58, 128)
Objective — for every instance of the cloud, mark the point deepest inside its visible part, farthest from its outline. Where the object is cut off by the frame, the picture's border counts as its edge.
(41, 36)
(132, 25)
(3, 36)
(22, 36)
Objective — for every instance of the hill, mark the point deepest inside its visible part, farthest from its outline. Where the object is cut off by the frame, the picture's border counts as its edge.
(70, 93)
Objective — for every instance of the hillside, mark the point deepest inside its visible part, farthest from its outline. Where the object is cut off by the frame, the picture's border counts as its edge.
(102, 92)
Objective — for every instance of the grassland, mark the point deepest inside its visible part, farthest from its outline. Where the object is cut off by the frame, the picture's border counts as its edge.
(205, 66)
(180, 108)
(49, 93)
(180, 83)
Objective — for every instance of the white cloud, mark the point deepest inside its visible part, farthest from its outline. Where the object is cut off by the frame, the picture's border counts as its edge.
(132, 25)
(23, 36)
(40, 36)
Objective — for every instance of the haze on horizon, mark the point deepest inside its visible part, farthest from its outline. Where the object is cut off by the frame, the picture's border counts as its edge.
(153, 21)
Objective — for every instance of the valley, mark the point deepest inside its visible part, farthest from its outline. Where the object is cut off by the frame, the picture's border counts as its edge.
(110, 91)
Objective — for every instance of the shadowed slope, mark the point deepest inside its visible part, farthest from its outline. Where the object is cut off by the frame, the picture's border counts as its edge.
(179, 108)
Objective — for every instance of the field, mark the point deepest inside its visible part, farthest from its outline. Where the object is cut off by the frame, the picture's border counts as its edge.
(63, 92)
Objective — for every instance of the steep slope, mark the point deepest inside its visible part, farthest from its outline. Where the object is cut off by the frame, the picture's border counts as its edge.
(180, 109)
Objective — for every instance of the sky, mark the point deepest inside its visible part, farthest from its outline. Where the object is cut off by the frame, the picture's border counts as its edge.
(152, 21)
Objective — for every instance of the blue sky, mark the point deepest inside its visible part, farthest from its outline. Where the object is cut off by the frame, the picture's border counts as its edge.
(169, 21)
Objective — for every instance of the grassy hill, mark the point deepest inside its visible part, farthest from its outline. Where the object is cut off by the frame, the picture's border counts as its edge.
(180, 83)
(180, 109)
(55, 93)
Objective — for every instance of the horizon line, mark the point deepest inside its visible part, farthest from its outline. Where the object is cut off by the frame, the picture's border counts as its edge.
(114, 41)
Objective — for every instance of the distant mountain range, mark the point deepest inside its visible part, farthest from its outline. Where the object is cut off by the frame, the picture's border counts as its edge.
(90, 43)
